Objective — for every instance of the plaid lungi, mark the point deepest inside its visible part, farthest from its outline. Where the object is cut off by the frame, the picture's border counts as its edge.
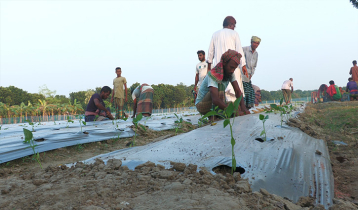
(249, 94)
(145, 102)
(118, 104)
(206, 105)
(286, 95)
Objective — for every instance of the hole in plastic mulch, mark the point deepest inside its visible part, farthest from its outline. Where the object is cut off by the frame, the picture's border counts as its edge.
(39, 140)
(263, 139)
(224, 169)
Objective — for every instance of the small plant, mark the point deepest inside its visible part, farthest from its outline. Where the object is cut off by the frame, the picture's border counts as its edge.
(81, 121)
(226, 114)
(69, 121)
(30, 140)
(263, 118)
(32, 125)
(79, 147)
(179, 123)
(136, 123)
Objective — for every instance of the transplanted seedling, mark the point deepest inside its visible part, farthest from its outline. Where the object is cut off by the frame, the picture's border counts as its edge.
(136, 124)
(30, 140)
(81, 121)
(69, 121)
(226, 114)
(32, 125)
(284, 110)
(179, 123)
(263, 118)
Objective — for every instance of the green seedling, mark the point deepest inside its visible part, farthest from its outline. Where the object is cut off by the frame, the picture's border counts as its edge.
(68, 122)
(79, 147)
(32, 125)
(263, 118)
(30, 140)
(226, 114)
(136, 123)
(179, 123)
(81, 121)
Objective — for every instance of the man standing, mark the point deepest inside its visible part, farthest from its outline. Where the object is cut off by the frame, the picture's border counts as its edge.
(251, 57)
(222, 41)
(354, 71)
(201, 70)
(286, 86)
(96, 109)
(211, 92)
(119, 97)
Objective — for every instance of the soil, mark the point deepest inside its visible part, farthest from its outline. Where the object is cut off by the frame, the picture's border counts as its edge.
(24, 185)
(335, 123)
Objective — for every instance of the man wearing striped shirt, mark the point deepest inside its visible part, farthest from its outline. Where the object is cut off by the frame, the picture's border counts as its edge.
(251, 57)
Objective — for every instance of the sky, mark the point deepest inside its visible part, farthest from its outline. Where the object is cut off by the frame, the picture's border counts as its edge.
(72, 46)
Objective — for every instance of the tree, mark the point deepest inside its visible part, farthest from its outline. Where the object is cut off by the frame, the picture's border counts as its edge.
(354, 3)
(43, 90)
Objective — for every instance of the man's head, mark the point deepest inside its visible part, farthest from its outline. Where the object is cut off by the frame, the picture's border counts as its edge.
(291, 79)
(255, 42)
(105, 92)
(331, 82)
(354, 62)
(231, 60)
(350, 79)
(229, 22)
(118, 71)
(201, 55)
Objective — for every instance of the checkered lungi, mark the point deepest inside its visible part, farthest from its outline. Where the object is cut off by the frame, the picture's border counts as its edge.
(118, 104)
(145, 102)
(249, 94)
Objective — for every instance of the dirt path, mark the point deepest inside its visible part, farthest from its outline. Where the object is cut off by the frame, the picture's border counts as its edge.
(337, 124)
(23, 185)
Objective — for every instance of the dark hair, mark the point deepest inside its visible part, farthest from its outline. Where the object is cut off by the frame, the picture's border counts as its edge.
(354, 62)
(350, 78)
(106, 89)
(200, 51)
(118, 68)
(228, 21)
(132, 89)
(331, 82)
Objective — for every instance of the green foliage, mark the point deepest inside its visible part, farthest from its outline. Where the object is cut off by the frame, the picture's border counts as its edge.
(284, 110)
(80, 121)
(354, 3)
(69, 121)
(32, 125)
(30, 140)
(277, 95)
(226, 114)
(136, 122)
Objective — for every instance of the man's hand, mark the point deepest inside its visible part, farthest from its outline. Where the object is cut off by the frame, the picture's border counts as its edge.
(244, 70)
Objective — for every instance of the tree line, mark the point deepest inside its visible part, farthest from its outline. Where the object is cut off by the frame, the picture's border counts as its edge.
(15, 102)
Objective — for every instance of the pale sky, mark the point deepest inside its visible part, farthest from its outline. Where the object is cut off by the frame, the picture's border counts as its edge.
(76, 45)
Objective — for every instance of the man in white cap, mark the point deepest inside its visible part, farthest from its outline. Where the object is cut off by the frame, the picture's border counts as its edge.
(251, 57)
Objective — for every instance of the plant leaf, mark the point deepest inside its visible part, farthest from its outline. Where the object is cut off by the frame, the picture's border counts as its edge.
(273, 106)
(226, 122)
(266, 117)
(229, 110)
(211, 113)
(232, 141)
(143, 127)
(261, 117)
(28, 135)
(83, 122)
(262, 133)
(281, 101)
(237, 103)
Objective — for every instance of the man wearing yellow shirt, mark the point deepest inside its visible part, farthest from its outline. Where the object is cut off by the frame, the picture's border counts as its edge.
(118, 94)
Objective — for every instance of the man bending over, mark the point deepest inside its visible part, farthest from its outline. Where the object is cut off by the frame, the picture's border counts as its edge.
(212, 89)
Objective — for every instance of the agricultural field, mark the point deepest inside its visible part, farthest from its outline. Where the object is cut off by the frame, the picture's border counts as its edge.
(24, 185)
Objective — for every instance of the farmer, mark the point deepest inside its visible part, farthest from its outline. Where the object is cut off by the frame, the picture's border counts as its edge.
(212, 89)
(286, 90)
(142, 100)
(354, 71)
(352, 88)
(333, 91)
(96, 110)
(222, 41)
(201, 70)
(322, 93)
(118, 94)
(251, 57)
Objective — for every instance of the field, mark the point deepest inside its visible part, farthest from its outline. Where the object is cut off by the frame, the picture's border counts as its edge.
(24, 185)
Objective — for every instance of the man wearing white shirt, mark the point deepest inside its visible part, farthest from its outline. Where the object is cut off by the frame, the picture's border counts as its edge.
(222, 41)
(201, 70)
(286, 86)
